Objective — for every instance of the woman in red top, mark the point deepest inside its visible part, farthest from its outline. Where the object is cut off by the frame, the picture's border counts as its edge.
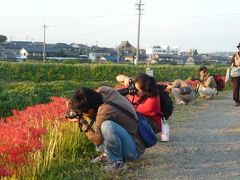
(146, 99)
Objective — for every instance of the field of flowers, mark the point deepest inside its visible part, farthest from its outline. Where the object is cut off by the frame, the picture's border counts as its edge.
(37, 142)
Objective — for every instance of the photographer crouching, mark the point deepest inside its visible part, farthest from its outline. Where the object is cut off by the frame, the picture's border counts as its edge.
(111, 130)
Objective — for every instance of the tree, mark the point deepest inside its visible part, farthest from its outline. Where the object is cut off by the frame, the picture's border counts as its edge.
(195, 52)
(3, 38)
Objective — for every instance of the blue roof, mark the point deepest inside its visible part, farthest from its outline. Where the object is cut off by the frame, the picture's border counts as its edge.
(112, 58)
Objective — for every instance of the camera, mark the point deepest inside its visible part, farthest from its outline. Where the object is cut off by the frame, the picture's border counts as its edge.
(130, 90)
(195, 78)
(71, 114)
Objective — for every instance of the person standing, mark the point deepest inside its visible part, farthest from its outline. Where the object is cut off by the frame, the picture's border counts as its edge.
(236, 80)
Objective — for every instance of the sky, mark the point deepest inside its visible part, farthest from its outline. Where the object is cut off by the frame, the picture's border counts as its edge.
(205, 25)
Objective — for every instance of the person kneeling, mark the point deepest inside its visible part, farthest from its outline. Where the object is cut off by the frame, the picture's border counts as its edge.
(182, 92)
(207, 84)
(113, 131)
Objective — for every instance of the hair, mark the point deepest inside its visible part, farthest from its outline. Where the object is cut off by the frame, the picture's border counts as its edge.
(203, 68)
(84, 99)
(147, 84)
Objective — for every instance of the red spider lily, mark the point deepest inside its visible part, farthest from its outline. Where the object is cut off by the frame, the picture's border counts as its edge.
(22, 133)
(5, 171)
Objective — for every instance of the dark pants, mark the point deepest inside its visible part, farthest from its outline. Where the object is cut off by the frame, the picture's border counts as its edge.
(236, 89)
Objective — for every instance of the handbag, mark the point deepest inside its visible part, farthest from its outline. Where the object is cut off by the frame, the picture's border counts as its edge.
(185, 90)
(145, 130)
(235, 72)
(228, 77)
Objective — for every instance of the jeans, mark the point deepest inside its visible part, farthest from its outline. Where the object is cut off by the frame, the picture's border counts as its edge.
(118, 144)
(188, 98)
(206, 91)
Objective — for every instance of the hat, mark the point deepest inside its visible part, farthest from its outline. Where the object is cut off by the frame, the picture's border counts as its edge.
(238, 45)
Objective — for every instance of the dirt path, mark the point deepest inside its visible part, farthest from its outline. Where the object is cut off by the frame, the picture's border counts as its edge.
(205, 144)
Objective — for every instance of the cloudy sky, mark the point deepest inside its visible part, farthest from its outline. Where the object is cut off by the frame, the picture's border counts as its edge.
(206, 25)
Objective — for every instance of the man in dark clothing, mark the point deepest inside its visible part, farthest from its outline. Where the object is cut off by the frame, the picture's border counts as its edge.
(236, 80)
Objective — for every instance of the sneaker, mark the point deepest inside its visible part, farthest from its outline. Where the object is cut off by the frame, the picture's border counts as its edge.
(181, 103)
(237, 104)
(210, 97)
(115, 166)
(100, 159)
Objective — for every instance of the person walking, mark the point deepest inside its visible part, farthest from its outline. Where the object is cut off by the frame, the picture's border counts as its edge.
(236, 80)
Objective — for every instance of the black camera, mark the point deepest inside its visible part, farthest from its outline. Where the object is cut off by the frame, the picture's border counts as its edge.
(195, 78)
(130, 90)
(71, 114)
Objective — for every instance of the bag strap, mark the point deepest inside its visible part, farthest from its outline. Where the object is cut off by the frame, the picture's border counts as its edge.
(129, 114)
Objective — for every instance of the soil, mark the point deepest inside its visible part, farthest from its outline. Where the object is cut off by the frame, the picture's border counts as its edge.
(204, 144)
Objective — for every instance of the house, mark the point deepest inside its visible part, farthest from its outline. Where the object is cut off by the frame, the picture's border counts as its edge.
(2, 52)
(95, 53)
(37, 53)
(162, 50)
(163, 54)
(125, 49)
(12, 49)
(81, 50)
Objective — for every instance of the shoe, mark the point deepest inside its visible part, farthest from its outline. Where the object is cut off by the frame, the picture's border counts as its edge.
(100, 159)
(181, 103)
(115, 166)
(237, 104)
(210, 97)
(203, 97)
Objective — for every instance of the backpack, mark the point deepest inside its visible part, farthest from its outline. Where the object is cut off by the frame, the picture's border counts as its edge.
(165, 101)
(145, 130)
(220, 82)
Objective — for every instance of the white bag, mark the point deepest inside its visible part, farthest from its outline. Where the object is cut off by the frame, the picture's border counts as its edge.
(235, 72)
(228, 77)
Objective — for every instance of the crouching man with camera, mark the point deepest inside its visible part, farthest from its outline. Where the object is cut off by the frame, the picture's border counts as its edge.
(112, 131)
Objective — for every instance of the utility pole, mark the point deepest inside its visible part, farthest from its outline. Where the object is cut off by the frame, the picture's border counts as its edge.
(44, 42)
(139, 8)
(86, 50)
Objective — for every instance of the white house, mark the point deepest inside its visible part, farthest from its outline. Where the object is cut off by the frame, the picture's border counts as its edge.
(158, 50)
(23, 53)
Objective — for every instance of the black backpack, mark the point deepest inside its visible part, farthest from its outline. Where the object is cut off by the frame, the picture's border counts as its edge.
(166, 101)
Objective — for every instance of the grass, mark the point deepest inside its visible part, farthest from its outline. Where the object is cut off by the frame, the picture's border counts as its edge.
(66, 156)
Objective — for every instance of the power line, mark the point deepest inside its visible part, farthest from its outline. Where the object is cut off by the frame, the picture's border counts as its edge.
(193, 17)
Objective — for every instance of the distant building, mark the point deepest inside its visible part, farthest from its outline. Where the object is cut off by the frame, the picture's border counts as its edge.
(163, 54)
(2, 52)
(126, 51)
(95, 53)
(160, 50)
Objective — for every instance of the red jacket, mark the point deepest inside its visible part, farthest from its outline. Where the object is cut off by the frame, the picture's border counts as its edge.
(150, 107)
